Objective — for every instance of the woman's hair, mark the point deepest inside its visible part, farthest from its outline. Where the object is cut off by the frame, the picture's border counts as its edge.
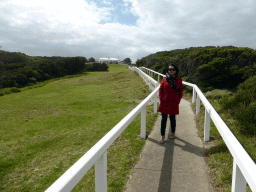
(175, 67)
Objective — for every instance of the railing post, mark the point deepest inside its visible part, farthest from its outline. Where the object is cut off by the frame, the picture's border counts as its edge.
(101, 174)
(197, 104)
(194, 95)
(207, 125)
(238, 180)
(143, 122)
(155, 100)
(158, 78)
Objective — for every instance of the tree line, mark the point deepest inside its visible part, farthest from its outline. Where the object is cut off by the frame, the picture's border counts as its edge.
(19, 70)
(209, 67)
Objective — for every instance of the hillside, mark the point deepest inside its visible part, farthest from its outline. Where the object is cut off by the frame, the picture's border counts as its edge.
(20, 70)
(209, 67)
(45, 130)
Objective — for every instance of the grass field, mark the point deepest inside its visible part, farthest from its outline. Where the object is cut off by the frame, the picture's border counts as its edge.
(45, 129)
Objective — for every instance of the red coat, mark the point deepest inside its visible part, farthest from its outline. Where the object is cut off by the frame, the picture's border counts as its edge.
(170, 97)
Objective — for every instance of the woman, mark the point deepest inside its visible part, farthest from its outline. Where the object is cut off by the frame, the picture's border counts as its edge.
(170, 94)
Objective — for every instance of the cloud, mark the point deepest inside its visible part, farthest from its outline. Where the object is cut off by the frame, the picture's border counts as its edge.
(128, 28)
(57, 14)
(107, 2)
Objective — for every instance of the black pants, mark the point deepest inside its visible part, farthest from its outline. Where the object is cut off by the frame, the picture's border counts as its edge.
(163, 123)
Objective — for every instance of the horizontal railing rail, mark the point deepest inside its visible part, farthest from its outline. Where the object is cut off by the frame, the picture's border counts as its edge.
(244, 168)
(98, 153)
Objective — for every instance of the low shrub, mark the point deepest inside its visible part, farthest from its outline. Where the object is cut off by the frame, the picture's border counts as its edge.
(96, 67)
(243, 106)
(7, 91)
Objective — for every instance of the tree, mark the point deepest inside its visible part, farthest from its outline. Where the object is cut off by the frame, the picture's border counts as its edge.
(21, 79)
(73, 65)
(91, 59)
(127, 61)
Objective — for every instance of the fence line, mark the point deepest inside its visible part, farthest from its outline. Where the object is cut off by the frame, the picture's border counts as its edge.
(244, 169)
(98, 153)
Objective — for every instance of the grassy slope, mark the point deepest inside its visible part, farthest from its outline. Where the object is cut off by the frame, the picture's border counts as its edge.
(218, 157)
(45, 130)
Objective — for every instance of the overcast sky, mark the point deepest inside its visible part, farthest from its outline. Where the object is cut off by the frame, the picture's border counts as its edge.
(123, 28)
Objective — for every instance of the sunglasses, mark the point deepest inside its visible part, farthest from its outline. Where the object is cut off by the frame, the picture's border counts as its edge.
(172, 69)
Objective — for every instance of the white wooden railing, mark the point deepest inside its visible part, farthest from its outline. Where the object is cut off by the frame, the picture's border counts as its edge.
(98, 153)
(244, 169)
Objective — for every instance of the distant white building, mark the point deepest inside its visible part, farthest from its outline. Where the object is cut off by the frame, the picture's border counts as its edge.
(108, 60)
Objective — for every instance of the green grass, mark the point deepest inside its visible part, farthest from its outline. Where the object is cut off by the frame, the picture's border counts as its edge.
(46, 128)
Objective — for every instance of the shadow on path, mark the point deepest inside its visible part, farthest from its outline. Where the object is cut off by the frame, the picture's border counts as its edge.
(167, 166)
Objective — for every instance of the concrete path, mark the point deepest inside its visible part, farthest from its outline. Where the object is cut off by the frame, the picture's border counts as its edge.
(177, 165)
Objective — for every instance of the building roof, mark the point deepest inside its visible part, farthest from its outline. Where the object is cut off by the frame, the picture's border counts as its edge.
(107, 58)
